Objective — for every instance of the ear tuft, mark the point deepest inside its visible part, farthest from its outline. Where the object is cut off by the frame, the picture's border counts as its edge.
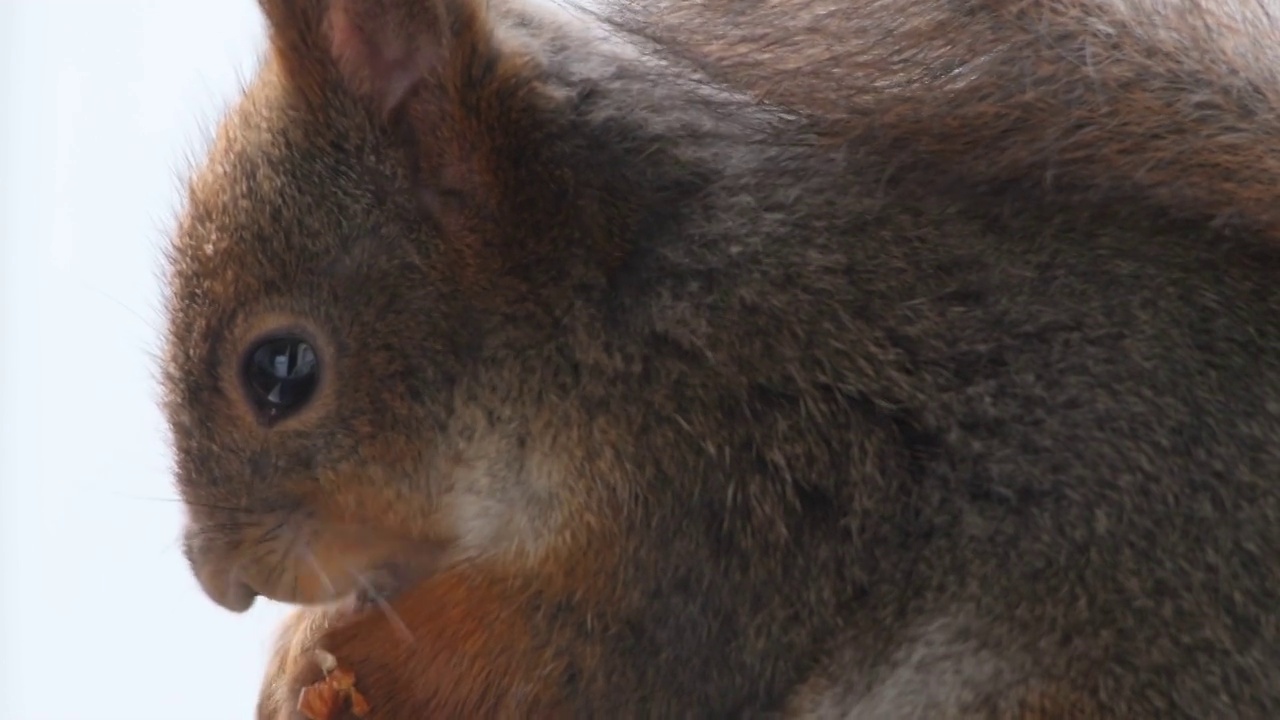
(384, 48)
(500, 165)
(379, 49)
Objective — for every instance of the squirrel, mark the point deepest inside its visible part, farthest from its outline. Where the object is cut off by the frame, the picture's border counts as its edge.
(766, 358)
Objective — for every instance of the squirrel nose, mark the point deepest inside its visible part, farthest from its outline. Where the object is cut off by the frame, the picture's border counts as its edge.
(223, 585)
(228, 591)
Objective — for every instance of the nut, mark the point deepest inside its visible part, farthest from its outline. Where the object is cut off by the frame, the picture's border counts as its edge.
(323, 700)
(319, 701)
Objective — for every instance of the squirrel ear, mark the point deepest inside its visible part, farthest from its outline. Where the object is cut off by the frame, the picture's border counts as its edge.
(512, 183)
(491, 158)
(379, 49)
(385, 47)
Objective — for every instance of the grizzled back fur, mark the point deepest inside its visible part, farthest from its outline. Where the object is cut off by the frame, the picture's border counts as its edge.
(1113, 101)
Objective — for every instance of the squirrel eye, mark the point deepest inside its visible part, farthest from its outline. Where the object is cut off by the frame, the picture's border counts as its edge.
(281, 374)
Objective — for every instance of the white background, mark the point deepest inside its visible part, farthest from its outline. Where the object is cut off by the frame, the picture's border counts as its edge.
(102, 105)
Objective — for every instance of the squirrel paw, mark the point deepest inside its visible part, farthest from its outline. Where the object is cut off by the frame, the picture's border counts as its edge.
(452, 646)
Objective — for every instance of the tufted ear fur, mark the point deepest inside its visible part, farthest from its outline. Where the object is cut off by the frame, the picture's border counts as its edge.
(383, 50)
(491, 147)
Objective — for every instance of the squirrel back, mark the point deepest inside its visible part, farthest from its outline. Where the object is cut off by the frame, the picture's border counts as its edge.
(667, 362)
(1086, 101)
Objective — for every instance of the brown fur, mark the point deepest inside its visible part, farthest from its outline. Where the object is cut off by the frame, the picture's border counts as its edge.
(859, 359)
(1144, 100)
(1058, 705)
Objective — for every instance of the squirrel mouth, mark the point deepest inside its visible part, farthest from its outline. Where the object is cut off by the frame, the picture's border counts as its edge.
(350, 567)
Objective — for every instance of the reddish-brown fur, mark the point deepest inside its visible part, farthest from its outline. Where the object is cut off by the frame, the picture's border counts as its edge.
(471, 654)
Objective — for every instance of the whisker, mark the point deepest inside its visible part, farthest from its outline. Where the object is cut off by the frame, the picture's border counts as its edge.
(392, 616)
(189, 503)
(148, 498)
(119, 303)
(215, 506)
(270, 552)
(222, 528)
(175, 544)
(310, 557)
(272, 533)
(282, 567)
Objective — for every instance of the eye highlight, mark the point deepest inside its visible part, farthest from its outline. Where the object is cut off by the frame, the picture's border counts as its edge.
(281, 374)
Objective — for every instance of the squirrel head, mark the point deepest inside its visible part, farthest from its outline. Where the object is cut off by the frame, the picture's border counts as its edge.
(392, 192)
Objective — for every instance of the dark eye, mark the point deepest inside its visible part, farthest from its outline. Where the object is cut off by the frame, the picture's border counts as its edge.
(281, 373)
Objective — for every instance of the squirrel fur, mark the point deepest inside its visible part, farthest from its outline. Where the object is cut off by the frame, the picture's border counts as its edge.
(761, 358)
